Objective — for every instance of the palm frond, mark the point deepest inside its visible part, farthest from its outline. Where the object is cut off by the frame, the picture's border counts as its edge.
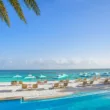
(32, 4)
(3, 13)
(1, 17)
(18, 9)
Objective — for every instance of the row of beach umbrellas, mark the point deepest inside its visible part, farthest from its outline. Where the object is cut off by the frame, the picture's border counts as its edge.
(94, 74)
(30, 76)
(61, 76)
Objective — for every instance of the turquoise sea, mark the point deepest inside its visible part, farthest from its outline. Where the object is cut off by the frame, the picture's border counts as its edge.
(7, 75)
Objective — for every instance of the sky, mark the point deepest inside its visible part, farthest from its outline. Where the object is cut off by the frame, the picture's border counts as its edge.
(69, 34)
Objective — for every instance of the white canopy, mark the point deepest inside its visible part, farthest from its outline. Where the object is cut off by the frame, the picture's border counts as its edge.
(97, 74)
(62, 76)
(30, 77)
(42, 76)
(17, 76)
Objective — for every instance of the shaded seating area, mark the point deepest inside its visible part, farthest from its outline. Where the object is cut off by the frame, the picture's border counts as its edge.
(13, 83)
(56, 85)
(42, 82)
(60, 84)
(106, 81)
(78, 80)
(29, 87)
(64, 81)
(65, 84)
(20, 82)
(34, 86)
(24, 86)
(45, 81)
(91, 82)
(86, 83)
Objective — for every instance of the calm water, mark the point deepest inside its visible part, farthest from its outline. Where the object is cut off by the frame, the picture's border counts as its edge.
(88, 102)
(7, 75)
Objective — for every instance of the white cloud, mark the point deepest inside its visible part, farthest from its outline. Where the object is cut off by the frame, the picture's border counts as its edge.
(62, 63)
(65, 63)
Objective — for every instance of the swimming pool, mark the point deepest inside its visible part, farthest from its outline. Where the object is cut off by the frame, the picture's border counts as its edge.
(88, 101)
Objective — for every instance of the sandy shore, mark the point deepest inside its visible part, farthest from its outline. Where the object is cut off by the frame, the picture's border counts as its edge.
(43, 92)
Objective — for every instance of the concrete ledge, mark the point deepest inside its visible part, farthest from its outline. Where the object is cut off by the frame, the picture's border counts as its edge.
(44, 97)
(10, 98)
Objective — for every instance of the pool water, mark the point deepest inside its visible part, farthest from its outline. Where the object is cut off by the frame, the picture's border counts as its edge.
(83, 102)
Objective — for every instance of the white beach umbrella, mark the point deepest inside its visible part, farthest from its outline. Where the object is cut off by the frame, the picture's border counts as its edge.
(81, 74)
(30, 77)
(85, 74)
(42, 76)
(63, 76)
(17, 76)
(97, 74)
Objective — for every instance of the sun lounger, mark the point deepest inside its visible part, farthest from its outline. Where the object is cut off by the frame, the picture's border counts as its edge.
(96, 78)
(45, 81)
(84, 83)
(20, 82)
(24, 86)
(78, 80)
(39, 82)
(13, 83)
(55, 86)
(106, 81)
(61, 81)
(67, 81)
(65, 84)
(90, 83)
(34, 86)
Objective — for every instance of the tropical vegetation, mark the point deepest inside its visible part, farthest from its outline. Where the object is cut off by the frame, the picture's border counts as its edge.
(17, 5)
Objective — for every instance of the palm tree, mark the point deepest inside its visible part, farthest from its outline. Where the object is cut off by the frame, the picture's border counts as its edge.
(31, 4)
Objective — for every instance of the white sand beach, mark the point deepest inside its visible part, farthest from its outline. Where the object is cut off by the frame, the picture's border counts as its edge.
(7, 91)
